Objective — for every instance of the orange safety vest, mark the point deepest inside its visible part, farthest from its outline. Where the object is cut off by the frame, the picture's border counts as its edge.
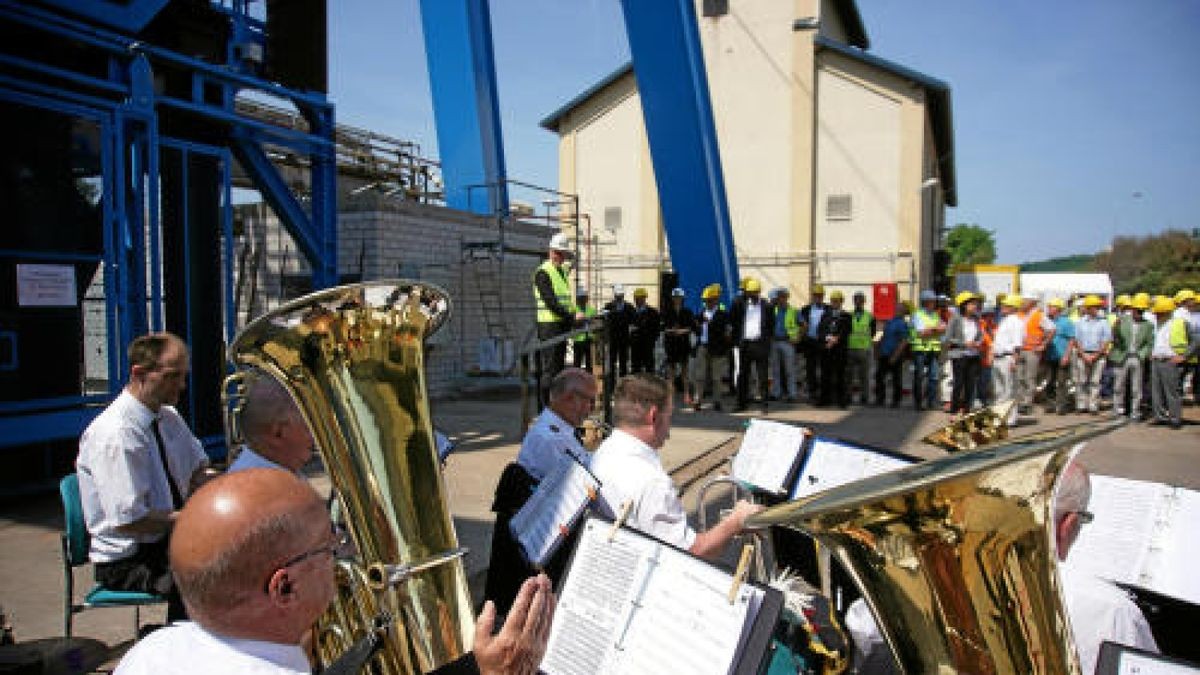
(987, 335)
(1034, 335)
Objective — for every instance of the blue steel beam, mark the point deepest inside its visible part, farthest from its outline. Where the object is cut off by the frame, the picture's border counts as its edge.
(462, 79)
(669, 65)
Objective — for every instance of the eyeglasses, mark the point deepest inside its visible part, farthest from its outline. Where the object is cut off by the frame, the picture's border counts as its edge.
(337, 544)
(1085, 517)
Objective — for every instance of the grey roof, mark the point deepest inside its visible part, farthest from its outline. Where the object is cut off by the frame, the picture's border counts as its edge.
(938, 100)
(550, 122)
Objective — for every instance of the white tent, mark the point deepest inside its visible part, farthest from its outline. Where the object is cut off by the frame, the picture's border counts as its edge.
(1046, 285)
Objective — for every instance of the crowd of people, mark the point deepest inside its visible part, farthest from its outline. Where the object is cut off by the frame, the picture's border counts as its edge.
(1079, 353)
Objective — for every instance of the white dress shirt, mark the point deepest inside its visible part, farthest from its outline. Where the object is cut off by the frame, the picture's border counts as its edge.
(1010, 335)
(752, 328)
(249, 459)
(814, 319)
(120, 474)
(185, 648)
(1162, 341)
(547, 443)
(709, 313)
(631, 471)
(1100, 611)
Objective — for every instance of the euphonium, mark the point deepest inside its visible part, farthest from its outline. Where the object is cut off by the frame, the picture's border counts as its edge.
(352, 357)
(956, 556)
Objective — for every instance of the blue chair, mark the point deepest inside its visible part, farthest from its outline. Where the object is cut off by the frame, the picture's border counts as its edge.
(75, 542)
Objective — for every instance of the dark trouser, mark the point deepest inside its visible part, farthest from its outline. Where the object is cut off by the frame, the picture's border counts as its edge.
(925, 379)
(583, 355)
(756, 353)
(1057, 390)
(551, 360)
(984, 388)
(618, 359)
(1164, 389)
(642, 355)
(884, 366)
(833, 378)
(146, 571)
(812, 359)
(966, 374)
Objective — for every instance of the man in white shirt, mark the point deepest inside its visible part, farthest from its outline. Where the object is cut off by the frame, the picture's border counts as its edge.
(277, 437)
(551, 437)
(137, 464)
(1006, 347)
(1097, 609)
(630, 471)
(253, 554)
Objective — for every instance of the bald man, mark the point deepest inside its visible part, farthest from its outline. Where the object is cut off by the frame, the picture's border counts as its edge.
(277, 437)
(253, 554)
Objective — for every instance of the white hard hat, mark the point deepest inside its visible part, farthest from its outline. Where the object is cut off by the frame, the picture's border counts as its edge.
(581, 291)
(560, 242)
(618, 289)
(678, 293)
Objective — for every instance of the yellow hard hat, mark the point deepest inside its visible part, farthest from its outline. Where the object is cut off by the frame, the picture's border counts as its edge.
(836, 295)
(743, 282)
(1140, 301)
(1012, 300)
(751, 285)
(964, 296)
(1123, 300)
(711, 291)
(1057, 302)
(818, 288)
(640, 293)
(1093, 301)
(1184, 295)
(1163, 305)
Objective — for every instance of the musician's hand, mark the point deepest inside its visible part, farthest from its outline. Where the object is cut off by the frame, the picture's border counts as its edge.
(743, 510)
(519, 646)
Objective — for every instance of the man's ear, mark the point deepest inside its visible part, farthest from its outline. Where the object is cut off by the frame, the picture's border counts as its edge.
(280, 587)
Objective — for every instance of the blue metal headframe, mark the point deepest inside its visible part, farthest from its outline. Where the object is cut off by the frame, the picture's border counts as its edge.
(462, 77)
(669, 65)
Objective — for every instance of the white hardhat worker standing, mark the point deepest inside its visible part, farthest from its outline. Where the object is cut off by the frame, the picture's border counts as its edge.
(556, 311)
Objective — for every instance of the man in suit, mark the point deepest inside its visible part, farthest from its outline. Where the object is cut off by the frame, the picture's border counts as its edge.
(833, 334)
(753, 321)
(618, 317)
(810, 345)
(714, 340)
(643, 333)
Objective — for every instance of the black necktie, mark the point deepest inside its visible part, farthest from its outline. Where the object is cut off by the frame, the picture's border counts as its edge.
(176, 498)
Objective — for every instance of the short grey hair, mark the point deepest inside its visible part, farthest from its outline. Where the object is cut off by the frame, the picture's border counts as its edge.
(1074, 490)
(568, 380)
(266, 402)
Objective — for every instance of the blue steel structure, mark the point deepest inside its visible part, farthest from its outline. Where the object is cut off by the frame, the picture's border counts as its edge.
(118, 162)
(462, 76)
(667, 60)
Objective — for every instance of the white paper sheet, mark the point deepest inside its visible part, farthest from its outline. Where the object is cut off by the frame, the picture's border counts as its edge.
(768, 452)
(1140, 664)
(833, 463)
(559, 499)
(1114, 545)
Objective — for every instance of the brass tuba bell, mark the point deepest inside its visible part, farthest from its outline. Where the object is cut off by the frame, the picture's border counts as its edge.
(956, 556)
(353, 359)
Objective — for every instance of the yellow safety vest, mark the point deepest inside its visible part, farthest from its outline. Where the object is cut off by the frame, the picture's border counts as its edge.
(789, 323)
(932, 344)
(860, 331)
(1179, 335)
(589, 312)
(562, 290)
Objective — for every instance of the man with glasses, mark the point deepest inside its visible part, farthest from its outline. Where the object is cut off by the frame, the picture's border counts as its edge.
(253, 555)
(137, 463)
(551, 437)
(1098, 610)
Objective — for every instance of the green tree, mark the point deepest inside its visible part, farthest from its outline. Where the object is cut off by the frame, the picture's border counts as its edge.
(970, 244)
(1158, 263)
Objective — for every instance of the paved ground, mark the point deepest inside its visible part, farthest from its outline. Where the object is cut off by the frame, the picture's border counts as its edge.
(486, 427)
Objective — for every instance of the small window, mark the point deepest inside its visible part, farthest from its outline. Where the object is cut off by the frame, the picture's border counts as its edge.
(612, 218)
(838, 207)
(716, 7)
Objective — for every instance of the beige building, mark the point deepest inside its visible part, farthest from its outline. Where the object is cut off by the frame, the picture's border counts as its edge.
(838, 164)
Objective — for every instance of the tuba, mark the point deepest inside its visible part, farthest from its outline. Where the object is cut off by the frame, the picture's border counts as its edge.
(956, 556)
(984, 426)
(353, 359)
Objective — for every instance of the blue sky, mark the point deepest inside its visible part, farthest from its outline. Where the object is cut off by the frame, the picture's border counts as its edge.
(1074, 121)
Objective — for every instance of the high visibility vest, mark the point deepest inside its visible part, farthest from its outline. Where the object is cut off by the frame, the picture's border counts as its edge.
(1034, 335)
(790, 325)
(930, 344)
(589, 312)
(860, 331)
(1112, 319)
(1179, 335)
(562, 290)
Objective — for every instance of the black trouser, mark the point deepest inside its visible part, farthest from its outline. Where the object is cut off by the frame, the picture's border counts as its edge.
(755, 353)
(833, 377)
(884, 366)
(812, 358)
(618, 359)
(551, 360)
(966, 375)
(642, 355)
(146, 571)
(583, 354)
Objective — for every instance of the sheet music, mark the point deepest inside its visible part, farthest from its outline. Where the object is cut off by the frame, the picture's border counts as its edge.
(832, 463)
(1172, 557)
(634, 605)
(1140, 664)
(769, 451)
(1115, 544)
(559, 499)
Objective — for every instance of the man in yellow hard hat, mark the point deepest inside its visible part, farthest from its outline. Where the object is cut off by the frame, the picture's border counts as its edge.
(1188, 308)
(753, 323)
(810, 346)
(1093, 339)
(1133, 338)
(1010, 336)
(834, 334)
(860, 345)
(1058, 356)
(1173, 346)
(714, 341)
(643, 333)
